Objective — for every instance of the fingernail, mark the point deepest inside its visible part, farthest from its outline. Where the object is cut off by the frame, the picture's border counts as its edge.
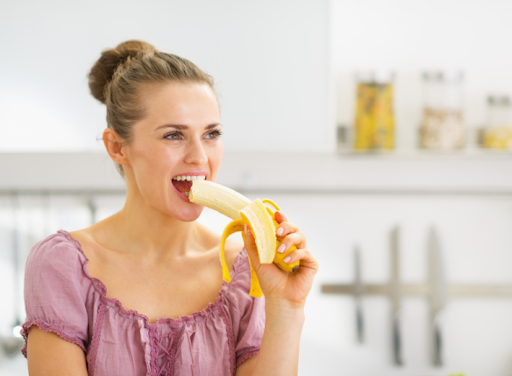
(287, 259)
(280, 231)
(281, 248)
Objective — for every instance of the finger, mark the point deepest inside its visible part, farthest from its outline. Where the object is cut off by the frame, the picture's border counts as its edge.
(286, 228)
(306, 259)
(280, 217)
(297, 239)
(250, 246)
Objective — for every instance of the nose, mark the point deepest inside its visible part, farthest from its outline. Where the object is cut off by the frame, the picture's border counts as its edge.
(196, 154)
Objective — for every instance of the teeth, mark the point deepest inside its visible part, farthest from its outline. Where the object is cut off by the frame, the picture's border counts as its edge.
(189, 177)
(186, 193)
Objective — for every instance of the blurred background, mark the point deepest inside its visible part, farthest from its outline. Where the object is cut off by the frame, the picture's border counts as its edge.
(381, 127)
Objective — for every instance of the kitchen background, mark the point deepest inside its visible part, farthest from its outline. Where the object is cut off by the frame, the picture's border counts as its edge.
(286, 77)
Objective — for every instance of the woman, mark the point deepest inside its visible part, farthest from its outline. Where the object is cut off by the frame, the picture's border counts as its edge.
(141, 292)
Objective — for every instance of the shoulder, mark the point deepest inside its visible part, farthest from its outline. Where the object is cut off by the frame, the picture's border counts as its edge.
(58, 255)
(57, 289)
(56, 247)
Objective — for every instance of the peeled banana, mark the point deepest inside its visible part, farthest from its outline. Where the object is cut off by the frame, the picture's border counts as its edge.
(244, 212)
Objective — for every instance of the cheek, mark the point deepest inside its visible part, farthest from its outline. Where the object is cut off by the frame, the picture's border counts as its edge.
(154, 158)
(215, 158)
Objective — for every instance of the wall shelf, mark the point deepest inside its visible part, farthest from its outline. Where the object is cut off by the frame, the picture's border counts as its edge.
(421, 153)
(294, 173)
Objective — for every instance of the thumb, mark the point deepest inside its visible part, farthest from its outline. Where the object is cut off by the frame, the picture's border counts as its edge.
(250, 246)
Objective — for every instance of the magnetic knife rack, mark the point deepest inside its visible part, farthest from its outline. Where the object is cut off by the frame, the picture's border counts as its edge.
(436, 290)
(423, 290)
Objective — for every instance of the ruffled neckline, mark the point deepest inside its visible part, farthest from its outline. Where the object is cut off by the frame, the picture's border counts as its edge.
(133, 314)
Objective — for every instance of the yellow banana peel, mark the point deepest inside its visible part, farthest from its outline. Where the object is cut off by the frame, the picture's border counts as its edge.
(256, 214)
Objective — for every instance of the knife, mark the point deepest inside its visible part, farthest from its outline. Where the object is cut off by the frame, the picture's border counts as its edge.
(438, 296)
(396, 297)
(358, 295)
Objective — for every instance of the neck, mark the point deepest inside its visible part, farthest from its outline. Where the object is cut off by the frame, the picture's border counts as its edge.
(141, 229)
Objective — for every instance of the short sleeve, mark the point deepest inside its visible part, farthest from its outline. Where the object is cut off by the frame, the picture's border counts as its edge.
(248, 313)
(56, 291)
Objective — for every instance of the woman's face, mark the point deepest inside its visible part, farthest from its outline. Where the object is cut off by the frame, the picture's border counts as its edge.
(178, 137)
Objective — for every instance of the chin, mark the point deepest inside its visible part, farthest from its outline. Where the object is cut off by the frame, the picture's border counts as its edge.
(189, 214)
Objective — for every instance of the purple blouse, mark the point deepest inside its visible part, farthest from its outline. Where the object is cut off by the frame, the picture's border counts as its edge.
(62, 297)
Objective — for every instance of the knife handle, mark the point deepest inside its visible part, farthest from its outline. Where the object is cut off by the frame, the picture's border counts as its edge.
(437, 341)
(359, 323)
(397, 341)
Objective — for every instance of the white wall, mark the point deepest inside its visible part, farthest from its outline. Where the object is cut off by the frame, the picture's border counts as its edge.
(269, 59)
(476, 244)
(412, 36)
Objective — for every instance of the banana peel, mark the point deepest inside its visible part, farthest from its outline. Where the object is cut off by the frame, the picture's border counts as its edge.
(258, 214)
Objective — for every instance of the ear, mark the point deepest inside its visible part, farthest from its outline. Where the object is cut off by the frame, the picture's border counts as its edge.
(114, 145)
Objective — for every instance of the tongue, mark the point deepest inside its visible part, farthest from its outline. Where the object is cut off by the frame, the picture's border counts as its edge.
(182, 186)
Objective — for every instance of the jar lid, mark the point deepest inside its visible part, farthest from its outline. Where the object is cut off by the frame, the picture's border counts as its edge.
(499, 100)
(444, 76)
(376, 76)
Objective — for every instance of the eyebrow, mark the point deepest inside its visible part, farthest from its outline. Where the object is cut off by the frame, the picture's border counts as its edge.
(184, 127)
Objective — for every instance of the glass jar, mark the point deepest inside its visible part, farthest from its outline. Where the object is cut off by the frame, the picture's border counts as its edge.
(374, 117)
(498, 132)
(443, 124)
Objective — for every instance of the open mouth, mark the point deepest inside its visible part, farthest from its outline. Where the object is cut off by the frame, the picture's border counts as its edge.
(183, 183)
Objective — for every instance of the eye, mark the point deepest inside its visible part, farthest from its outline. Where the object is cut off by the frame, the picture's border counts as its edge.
(213, 135)
(174, 135)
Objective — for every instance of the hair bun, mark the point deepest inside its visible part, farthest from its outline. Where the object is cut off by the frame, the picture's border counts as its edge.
(103, 70)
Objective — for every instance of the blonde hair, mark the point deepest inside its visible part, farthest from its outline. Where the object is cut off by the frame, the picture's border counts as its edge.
(116, 79)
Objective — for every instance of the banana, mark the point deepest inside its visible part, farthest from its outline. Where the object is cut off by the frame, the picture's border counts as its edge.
(244, 212)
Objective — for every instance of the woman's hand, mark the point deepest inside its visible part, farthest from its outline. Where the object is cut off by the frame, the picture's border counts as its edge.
(277, 285)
